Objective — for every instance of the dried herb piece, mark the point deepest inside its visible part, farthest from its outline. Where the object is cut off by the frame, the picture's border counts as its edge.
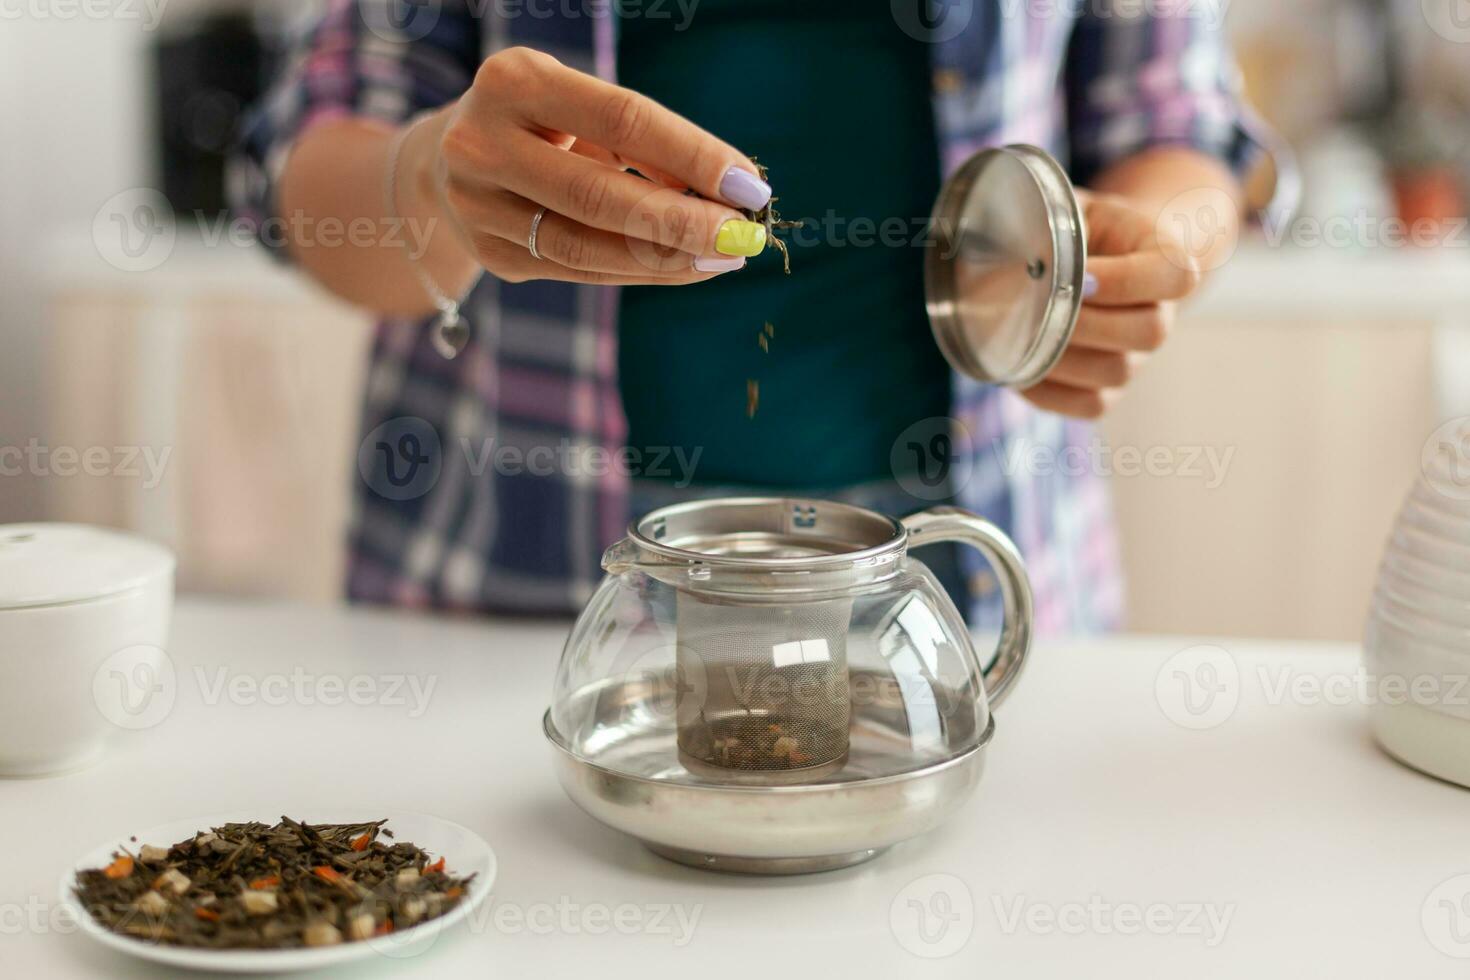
(254, 886)
(772, 219)
(767, 216)
(752, 397)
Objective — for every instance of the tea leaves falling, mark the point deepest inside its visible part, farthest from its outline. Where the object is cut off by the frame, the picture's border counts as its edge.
(753, 386)
(253, 886)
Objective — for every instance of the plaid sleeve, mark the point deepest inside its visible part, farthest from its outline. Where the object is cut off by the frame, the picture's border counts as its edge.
(1144, 75)
(377, 59)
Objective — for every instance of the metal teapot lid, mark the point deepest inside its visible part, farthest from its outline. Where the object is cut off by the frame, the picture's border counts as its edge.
(1003, 274)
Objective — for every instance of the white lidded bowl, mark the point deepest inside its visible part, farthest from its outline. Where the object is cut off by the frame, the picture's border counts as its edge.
(84, 615)
(1417, 642)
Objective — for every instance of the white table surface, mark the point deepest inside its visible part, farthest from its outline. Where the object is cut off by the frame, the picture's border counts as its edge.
(1320, 855)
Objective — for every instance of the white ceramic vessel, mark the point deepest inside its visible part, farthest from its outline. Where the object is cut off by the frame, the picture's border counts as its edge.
(84, 615)
(1417, 642)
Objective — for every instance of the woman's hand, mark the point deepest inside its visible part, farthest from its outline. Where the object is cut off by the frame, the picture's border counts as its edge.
(531, 134)
(1136, 272)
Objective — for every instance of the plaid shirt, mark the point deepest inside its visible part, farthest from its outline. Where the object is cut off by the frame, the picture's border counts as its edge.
(1093, 81)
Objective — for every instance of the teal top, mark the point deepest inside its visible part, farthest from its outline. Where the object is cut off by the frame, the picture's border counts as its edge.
(834, 99)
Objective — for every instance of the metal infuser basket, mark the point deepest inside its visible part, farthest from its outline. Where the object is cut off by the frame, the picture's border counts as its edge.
(771, 705)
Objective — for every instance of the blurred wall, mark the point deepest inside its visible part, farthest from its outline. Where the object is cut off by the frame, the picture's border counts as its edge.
(71, 99)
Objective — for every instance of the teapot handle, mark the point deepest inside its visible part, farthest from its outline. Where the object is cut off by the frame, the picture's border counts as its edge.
(953, 524)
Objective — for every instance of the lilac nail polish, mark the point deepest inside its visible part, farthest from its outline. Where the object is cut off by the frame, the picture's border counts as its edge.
(1089, 285)
(708, 264)
(744, 189)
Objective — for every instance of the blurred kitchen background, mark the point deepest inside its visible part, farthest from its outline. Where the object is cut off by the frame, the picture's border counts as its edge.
(217, 394)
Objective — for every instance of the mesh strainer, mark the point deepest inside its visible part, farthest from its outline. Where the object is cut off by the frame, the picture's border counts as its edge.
(765, 693)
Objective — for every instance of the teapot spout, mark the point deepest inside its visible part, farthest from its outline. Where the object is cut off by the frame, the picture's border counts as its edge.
(620, 558)
(626, 556)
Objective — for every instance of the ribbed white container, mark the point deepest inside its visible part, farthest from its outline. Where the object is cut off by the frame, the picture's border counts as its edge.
(78, 605)
(1417, 642)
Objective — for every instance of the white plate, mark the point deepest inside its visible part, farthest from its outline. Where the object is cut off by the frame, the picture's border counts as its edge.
(464, 851)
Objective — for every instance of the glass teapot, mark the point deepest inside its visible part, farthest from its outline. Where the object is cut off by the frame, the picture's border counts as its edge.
(777, 685)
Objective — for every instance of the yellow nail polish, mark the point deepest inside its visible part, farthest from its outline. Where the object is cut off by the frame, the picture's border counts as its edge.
(741, 238)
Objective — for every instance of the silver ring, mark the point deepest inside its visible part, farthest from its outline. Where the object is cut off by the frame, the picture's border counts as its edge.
(535, 227)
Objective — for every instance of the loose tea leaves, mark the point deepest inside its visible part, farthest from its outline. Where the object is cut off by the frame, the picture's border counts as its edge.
(253, 886)
(772, 220)
(767, 216)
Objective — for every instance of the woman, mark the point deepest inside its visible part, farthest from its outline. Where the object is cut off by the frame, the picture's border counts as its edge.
(537, 186)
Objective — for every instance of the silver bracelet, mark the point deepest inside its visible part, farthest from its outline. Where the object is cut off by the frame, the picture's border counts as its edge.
(451, 329)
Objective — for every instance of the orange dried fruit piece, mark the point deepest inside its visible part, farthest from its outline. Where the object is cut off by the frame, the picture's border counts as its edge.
(121, 867)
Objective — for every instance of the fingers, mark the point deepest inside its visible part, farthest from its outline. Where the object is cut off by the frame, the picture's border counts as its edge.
(1140, 278)
(590, 150)
(596, 195)
(1081, 403)
(1085, 367)
(1134, 261)
(1136, 328)
(513, 263)
(499, 214)
(635, 127)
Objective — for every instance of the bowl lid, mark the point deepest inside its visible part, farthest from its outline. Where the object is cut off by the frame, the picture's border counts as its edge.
(1003, 271)
(51, 564)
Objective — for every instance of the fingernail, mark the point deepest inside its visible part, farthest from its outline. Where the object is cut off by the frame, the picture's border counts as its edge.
(744, 189)
(740, 238)
(704, 264)
(1089, 285)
